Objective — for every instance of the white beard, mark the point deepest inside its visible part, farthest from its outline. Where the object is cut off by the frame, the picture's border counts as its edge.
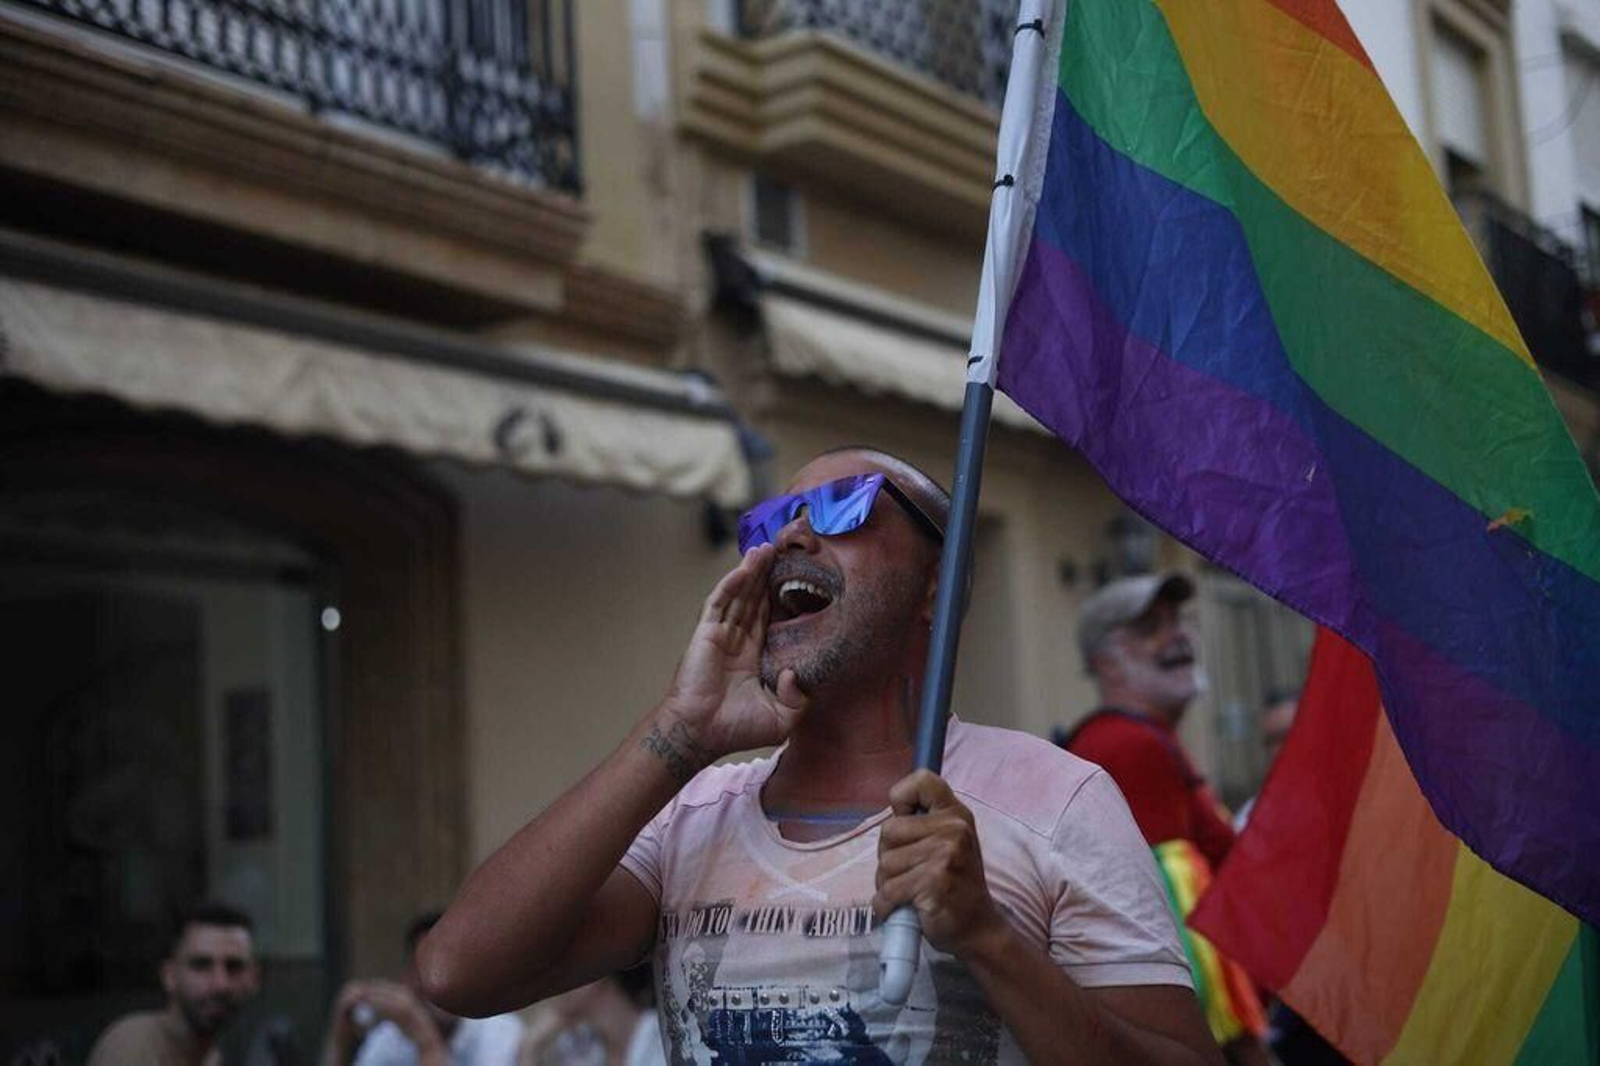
(1171, 689)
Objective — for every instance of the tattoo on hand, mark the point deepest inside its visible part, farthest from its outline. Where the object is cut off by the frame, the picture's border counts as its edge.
(682, 755)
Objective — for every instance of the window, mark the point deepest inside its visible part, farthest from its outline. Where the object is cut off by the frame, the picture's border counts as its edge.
(1583, 112)
(775, 217)
(1461, 113)
(1463, 176)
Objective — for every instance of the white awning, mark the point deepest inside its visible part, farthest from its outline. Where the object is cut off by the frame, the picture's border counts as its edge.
(809, 340)
(626, 426)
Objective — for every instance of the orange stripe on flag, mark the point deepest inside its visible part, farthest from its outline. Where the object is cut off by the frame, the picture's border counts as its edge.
(1360, 978)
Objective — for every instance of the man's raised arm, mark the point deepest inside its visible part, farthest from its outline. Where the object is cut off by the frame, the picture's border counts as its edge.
(551, 909)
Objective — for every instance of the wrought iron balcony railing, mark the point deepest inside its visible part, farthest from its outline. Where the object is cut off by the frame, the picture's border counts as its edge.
(966, 44)
(490, 80)
(1537, 273)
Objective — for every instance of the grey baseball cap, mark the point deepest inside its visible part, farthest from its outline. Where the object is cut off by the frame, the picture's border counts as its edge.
(1123, 600)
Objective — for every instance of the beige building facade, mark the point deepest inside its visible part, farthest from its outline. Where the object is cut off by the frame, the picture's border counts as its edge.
(370, 431)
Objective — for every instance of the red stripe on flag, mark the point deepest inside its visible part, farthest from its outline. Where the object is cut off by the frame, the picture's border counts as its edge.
(1272, 896)
(1325, 17)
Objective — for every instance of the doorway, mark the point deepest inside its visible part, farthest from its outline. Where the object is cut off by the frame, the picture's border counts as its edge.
(162, 742)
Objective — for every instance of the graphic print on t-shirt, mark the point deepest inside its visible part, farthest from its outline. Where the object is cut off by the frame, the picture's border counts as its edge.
(710, 1014)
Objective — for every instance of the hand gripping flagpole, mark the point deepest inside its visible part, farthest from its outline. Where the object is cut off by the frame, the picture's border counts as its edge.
(1016, 191)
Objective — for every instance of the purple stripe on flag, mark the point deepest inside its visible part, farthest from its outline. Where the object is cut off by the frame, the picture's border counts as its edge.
(1460, 734)
(1222, 469)
(1244, 484)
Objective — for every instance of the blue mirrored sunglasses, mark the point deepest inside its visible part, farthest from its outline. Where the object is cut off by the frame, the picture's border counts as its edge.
(831, 509)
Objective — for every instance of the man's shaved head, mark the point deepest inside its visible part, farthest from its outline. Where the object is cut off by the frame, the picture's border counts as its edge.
(871, 589)
(917, 483)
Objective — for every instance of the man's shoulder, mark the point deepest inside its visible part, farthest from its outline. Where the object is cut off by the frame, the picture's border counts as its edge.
(139, 1021)
(1021, 776)
(129, 1037)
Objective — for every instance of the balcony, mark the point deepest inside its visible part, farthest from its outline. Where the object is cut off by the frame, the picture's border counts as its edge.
(964, 44)
(357, 148)
(895, 106)
(1539, 277)
(489, 80)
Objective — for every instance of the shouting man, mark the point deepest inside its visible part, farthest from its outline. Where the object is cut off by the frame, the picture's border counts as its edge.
(760, 887)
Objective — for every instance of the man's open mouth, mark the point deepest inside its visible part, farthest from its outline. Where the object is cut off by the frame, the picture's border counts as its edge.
(797, 598)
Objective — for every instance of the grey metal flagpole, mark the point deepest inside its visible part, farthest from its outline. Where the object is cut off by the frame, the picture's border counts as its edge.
(1016, 193)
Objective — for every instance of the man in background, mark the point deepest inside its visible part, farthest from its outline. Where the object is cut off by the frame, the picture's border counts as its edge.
(1141, 652)
(388, 1023)
(209, 975)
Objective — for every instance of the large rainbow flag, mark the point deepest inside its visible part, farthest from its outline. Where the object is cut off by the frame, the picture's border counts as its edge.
(1249, 304)
(1347, 897)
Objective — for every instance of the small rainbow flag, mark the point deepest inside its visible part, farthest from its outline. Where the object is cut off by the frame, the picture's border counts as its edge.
(1248, 303)
(1348, 898)
(1226, 993)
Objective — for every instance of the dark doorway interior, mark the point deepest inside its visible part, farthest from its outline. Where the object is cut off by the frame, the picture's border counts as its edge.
(103, 740)
(162, 742)
(231, 670)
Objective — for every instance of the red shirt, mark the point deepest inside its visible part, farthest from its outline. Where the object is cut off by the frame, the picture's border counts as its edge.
(1170, 801)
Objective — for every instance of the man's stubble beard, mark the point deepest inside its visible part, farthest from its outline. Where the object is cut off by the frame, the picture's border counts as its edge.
(815, 671)
(194, 1014)
(862, 645)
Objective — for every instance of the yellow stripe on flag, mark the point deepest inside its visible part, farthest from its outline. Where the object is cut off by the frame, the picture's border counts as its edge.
(1495, 961)
(1314, 123)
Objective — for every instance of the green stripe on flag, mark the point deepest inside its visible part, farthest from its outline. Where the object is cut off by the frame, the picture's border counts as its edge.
(1567, 1028)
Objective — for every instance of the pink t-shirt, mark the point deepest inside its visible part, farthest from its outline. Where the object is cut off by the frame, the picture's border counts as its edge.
(767, 949)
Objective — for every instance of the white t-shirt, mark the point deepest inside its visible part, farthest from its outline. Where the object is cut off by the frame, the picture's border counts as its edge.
(475, 1042)
(767, 949)
(644, 1046)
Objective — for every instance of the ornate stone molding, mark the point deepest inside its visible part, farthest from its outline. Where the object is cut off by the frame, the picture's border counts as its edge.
(639, 311)
(822, 108)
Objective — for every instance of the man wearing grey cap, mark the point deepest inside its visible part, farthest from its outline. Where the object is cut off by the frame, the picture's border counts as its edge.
(1140, 651)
